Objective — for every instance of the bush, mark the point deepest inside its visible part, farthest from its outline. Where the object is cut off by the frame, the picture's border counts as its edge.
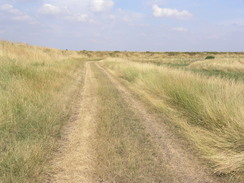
(209, 57)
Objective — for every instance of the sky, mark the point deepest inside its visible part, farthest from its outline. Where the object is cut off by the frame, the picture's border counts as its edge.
(125, 25)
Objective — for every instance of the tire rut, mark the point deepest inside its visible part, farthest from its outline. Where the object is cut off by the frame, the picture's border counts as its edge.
(75, 160)
(186, 168)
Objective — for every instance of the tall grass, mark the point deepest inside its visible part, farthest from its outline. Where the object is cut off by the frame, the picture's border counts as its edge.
(222, 64)
(226, 65)
(37, 87)
(209, 111)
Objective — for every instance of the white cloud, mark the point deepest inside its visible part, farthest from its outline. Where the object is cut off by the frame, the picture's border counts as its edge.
(15, 14)
(127, 16)
(49, 9)
(101, 5)
(167, 12)
(9, 9)
(22, 18)
(180, 29)
(79, 18)
(74, 11)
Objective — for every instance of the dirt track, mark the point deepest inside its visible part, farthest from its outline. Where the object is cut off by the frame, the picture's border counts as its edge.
(76, 161)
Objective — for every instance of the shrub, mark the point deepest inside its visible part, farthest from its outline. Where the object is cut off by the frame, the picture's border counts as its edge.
(209, 57)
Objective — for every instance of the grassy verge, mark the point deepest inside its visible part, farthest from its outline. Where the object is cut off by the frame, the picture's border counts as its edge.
(210, 72)
(209, 111)
(207, 72)
(125, 153)
(228, 64)
(222, 74)
(36, 95)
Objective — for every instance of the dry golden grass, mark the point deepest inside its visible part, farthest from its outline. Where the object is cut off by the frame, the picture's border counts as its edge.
(39, 86)
(209, 111)
(76, 159)
(22, 52)
(124, 150)
(223, 64)
(37, 89)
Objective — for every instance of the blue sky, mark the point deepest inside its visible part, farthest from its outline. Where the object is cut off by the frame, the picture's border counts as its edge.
(138, 25)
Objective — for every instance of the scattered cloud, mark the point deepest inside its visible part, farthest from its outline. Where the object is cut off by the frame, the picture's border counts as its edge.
(180, 29)
(21, 18)
(15, 14)
(77, 24)
(101, 5)
(127, 17)
(9, 9)
(49, 9)
(79, 18)
(167, 12)
(75, 11)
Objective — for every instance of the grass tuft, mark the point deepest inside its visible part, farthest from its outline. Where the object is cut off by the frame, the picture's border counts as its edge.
(209, 111)
(36, 93)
